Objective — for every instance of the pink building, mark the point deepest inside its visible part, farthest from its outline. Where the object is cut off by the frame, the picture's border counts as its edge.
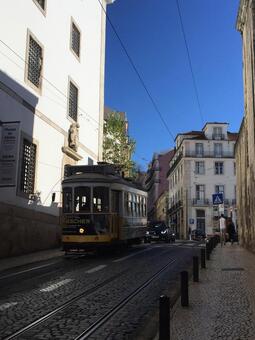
(156, 184)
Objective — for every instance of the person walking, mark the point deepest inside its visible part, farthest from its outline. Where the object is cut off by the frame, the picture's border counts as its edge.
(222, 229)
(231, 230)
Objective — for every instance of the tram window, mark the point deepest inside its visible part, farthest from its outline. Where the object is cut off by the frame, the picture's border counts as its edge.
(67, 200)
(144, 206)
(126, 202)
(129, 204)
(134, 205)
(139, 205)
(82, 198)
(100, 199)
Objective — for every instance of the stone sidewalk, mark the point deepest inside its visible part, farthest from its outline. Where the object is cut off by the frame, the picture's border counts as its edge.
(18, 261)
(222, 304)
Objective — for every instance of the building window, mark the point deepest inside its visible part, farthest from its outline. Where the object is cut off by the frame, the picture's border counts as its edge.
(217, 132)
(34, 62)
(200, 192)
(73, 101)
(75, 39)
(200, 168)
(219, 189)
(27, 176)
(199, 149)
(217, 150)
(219, 168)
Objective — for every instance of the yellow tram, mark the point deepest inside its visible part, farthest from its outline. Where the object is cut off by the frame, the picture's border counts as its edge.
(100, 208)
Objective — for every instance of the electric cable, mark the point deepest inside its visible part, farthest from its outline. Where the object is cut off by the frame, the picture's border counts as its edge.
(137, 72)
(190, 63)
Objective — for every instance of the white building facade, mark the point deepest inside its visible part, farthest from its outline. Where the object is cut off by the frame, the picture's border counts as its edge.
(203, 165)
(52, 56)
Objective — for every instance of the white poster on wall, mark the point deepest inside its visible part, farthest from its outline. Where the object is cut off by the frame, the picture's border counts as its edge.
(9, 151)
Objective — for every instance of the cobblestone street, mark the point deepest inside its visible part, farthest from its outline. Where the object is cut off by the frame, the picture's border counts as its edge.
(93, 286)
(222, 304)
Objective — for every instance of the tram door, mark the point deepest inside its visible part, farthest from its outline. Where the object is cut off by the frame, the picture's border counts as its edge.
(115, 204)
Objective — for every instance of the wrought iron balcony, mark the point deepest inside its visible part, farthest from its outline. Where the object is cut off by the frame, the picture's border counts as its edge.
(210, 154)
(200, 202)
(218, 136)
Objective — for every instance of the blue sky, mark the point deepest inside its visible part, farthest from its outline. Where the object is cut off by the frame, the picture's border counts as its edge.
(151, 32)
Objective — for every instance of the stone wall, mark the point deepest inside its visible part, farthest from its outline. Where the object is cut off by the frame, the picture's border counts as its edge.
(25, 230)
(245, 146)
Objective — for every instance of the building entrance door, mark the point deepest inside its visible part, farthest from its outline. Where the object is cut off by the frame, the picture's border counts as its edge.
(201, 220)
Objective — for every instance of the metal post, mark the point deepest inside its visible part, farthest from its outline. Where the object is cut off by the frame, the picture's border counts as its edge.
(164, 318)
(195, 269)
(184, 289)
(203, 258)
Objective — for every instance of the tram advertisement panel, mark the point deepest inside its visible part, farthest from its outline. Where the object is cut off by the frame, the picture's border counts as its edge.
(87, 224)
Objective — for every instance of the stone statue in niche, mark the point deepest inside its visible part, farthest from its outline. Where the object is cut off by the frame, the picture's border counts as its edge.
(73, 136)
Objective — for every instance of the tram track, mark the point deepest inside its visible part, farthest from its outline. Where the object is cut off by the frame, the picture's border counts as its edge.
(65, 305)
(100, 322)
(103, 319)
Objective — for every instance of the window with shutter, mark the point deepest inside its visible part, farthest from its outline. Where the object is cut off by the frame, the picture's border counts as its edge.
(34, 62)
(27, 176)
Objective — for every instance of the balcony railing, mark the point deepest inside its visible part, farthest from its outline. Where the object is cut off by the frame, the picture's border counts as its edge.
(218, 136)
(210, 154)
(204, 201)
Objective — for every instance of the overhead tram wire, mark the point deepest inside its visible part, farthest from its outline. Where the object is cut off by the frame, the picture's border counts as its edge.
(190, 63)
(137, 72)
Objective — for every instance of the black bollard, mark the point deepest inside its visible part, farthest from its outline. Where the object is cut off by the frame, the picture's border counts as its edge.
(164, 318)
(207, 251)
(203, 258)
(195, 269)
(184, 289)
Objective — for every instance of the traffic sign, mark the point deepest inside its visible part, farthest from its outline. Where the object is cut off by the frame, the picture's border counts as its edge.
(217, 198)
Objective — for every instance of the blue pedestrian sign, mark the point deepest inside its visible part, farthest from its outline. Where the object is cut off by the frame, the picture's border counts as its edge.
(217, 198)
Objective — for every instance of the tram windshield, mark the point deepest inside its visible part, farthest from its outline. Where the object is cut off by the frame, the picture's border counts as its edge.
(100, 199)
(67, 200)
(82, 199)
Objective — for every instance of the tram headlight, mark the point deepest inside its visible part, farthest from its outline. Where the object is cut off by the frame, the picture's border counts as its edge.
(81, 230)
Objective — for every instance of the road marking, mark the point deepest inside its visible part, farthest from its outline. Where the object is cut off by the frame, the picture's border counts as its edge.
(26, 270)
(131, 255)
(95, 269)
(7, 305)
(56, 285)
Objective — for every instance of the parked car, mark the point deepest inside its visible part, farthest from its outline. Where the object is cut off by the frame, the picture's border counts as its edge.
(198, 235)
(159, 231)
